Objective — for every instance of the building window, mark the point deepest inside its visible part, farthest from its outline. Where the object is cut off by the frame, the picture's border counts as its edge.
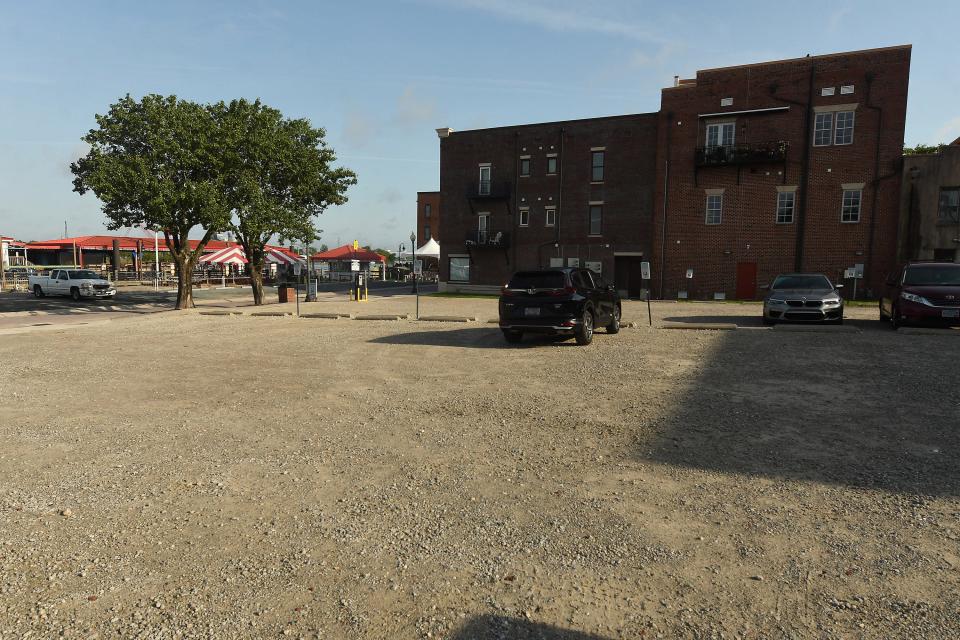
(459, 269)
(726, 102)
(524, 217)
(597, 166)
(524, 167)
(426, 211)
(850, 210)
(823, 129)
(828, 91)
(483, 228)
(846, 89)
(426, 233)
(714, 208)
(551, 165)
(786, 200)
(721, 135)
(596, 219)
(551, 217)
(484, 187)
(950, 204)
(844, 128)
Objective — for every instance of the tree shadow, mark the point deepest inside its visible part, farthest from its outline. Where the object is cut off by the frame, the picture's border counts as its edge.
(488, 337)
(867, 412)
(490, 627)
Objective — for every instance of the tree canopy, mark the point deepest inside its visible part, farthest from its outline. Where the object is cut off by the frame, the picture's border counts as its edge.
(921, 149)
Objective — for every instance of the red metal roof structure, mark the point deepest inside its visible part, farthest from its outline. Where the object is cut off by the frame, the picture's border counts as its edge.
(346, 253)
(127, 243)
(227, 255)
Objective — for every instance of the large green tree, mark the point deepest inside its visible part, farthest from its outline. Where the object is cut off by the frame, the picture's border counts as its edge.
(278, 177)
(154, 163)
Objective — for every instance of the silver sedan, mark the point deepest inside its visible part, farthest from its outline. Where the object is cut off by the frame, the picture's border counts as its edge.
(803, 297)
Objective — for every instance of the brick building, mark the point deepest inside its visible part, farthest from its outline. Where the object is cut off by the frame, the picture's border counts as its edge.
(781, 166)
(428, 216)
(930, 206)
(531, 196)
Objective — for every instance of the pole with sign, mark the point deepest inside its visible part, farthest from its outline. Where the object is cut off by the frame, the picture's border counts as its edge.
(645, 274)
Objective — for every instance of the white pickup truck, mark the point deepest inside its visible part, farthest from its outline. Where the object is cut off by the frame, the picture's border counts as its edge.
(76, 283)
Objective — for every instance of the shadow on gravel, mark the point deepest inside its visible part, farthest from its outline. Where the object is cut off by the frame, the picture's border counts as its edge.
(472, 338)
(869, 413)
(505, 628)
(740, 321)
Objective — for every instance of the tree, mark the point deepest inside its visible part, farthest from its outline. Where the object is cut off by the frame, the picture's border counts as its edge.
(921, 149)
(323, 248)
(387, 254)
(278, 176)
(152, 163)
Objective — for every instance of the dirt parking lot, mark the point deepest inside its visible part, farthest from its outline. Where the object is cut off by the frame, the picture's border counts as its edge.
(179, 475)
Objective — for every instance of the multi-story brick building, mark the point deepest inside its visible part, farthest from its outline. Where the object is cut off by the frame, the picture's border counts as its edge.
(745, 172)
(578, 192)
(428, 216)
(780, 166)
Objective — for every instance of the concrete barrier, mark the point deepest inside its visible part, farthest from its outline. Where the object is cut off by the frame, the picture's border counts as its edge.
(327, 316)
(221, 312)
(447, 319)
(384, 316)
(271, 314)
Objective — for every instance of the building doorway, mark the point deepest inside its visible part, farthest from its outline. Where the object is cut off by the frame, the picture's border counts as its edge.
(627, 276)
(746, 280)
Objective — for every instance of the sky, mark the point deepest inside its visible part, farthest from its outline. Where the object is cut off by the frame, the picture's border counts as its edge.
(381, 76)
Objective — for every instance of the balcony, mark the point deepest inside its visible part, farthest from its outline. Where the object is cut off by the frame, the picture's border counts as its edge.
(741, 154)
(489, 239)
(489, 190)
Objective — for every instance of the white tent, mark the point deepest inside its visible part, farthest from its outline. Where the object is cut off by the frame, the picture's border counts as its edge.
(430, 249)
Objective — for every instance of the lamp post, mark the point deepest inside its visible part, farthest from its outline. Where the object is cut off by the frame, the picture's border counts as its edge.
(413, 264)
(399, 258)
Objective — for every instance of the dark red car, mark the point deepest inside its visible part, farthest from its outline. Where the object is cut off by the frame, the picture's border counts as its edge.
(922, 293)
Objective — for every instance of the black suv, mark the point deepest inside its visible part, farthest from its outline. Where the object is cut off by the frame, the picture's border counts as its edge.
(564, 301)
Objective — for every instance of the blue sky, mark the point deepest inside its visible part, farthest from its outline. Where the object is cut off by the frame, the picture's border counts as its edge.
(381, 76)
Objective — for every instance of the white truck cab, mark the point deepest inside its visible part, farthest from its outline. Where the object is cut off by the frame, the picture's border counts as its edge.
(76, 283)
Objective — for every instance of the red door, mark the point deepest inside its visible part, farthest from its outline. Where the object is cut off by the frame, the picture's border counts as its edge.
(746, 280)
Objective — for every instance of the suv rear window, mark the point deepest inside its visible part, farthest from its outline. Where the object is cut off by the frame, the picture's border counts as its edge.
(932, 274)
(537, 280)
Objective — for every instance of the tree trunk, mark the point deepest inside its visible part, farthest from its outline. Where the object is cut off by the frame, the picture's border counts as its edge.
(184, 282)
(256, 282)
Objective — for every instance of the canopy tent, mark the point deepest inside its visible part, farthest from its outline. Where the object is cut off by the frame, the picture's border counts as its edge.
(430, 249)
(281, 256)
(228, 255)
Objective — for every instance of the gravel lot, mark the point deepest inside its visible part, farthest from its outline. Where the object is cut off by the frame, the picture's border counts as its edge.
(177, 475)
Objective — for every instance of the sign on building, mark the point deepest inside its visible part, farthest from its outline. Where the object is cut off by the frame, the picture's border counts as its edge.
(573, 262)
(354, 265)
(594, 265)
(556, 262)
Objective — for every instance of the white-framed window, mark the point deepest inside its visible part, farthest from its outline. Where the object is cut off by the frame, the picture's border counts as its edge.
(597, 159)
(846, 89)
(550, 219)
(524, 217)
(714, 208)
(828, 91)
(721, 134)
(786, 202)
(850, 206)
(524, 166)
(823, 129)
(459, 269)
(484, 186)
(726, 102)
(596, 219)
(844, 131)
(483, 227)
(551, 165)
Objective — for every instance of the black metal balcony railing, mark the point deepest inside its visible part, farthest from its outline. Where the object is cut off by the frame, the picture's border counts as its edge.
(489, 189)
(488, 239)
(751, 153)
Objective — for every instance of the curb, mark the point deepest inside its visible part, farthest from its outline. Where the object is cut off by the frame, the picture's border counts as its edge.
(221, 313)
(706, 326)
(816, 328)
(447, 319)
(271, 314)
(382, 317)
(325, 315)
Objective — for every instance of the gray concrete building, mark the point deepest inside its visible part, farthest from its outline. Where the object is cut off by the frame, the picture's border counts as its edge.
(930, 206)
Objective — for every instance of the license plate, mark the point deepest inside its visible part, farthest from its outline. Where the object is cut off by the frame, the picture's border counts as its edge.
(531, 311)
(950, 313)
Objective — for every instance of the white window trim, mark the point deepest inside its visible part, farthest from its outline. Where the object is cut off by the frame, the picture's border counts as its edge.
(832, 129)
(847, 89)
(852, 187)
(546, 218)
(603, 168)
(520, 167)
(793, 209)
(598, 148)
(826, 108)
(524, 210)
(828, 91)
(720, 124)
(853, 128)
(706, 207)
(590, 205)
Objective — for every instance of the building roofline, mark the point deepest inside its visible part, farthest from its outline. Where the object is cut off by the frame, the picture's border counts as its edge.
(558, 122)
(427, 193)
(818, 57)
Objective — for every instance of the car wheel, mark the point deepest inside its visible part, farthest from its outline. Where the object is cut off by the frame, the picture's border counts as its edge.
(75, 294)
(37, 291)
(895, 318)
(614, 326)
(584, 331)
(883, 316)
(513, 337)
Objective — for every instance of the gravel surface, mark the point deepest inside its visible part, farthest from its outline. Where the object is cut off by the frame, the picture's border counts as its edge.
(178, 475)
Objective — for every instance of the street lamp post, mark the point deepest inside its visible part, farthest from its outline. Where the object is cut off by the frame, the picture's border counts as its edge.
(413, 250)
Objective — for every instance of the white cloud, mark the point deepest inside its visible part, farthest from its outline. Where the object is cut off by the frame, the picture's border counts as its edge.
(414, 109)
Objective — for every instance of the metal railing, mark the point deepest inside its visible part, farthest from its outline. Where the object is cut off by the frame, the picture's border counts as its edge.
(487, 238)
(751, 153)
(489, 189)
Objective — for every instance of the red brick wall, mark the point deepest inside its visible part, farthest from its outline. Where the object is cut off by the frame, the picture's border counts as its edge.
(425, 198)
(748, 232)
(626, 191)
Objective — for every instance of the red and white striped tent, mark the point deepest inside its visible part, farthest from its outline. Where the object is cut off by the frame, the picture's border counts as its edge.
(281, 256)
(227, 255)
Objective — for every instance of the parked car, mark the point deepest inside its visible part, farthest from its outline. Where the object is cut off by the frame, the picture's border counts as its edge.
(564, 301)
(922, 293)
(803, 297)
(76, 283)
